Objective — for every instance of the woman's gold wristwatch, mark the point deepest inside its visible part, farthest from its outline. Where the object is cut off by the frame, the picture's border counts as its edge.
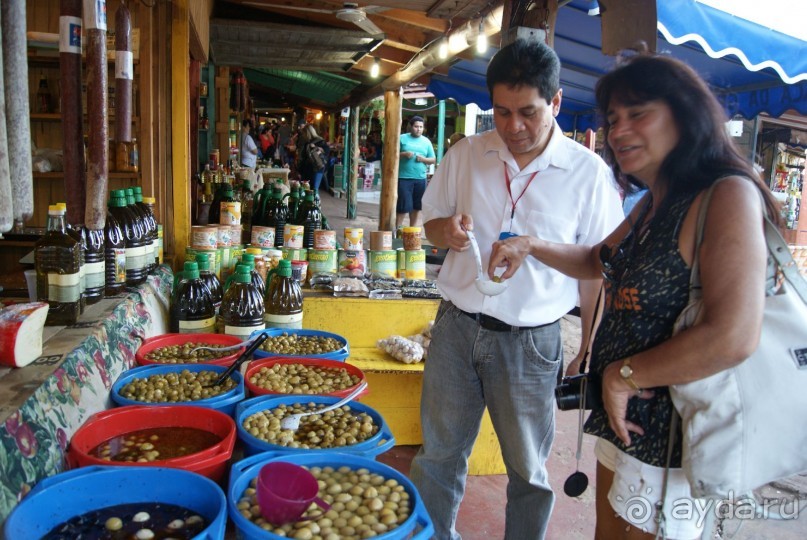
(626, 372)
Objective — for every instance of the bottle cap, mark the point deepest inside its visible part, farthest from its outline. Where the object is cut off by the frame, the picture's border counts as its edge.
(202, 261)
(247, 258)
(137, 189)
(55, 210)
(138, 197)
(254, 251)
(117, 202)
(191, 270)
(284, 268)
(242, 274)
(149, 200)
(309, 196)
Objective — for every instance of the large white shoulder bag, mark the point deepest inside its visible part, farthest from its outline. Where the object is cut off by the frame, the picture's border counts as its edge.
(745, 426)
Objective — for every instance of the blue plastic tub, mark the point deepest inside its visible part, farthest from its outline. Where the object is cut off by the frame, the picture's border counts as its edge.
(372, 447)
(58, 498)
(225, 402)
(340, 355)
(245, 470)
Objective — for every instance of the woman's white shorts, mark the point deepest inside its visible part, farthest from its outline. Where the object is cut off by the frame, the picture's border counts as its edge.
(637, 490)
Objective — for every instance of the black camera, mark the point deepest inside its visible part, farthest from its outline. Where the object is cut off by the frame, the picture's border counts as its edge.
(571, 391)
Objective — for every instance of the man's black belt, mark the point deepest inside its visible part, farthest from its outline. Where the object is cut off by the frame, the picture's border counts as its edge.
(492, 323)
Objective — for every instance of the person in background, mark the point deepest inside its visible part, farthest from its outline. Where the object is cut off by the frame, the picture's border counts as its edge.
(312, 168)
(454, 139)
(283, 139)
(248, 149)
(416, 155)
(521, 181)
(665, 132)
(267, 141)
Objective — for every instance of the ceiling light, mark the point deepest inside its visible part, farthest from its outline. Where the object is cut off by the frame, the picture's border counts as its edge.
(481, 38)
(443, 50)
(375, 69)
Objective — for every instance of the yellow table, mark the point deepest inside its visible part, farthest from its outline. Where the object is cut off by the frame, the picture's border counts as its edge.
(394, 386)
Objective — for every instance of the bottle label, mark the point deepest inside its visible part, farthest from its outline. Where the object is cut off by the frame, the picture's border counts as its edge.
(242, 331)
(94, 275)
(82, 277)
(230, 213)
(69, 34)
(95, 14)
(120, 265)
(135, 258)
(203, 326)
(64, 287)
(124, 65)
(273, 320)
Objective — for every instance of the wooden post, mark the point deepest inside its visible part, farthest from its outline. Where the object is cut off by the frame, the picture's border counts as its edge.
(354, 163)
(389, 165)
(441, 129)
(146, 93)
(180, 120)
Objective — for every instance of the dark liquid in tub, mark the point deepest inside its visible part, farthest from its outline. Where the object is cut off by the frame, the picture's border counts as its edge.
(163, 520)
(169, 442)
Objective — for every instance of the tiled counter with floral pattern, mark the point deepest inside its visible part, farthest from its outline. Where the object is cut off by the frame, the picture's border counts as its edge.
(44, 403)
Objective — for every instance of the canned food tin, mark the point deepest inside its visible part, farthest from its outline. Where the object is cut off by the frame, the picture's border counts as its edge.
(384, 263)
(352, 261)
(354, 238)
(263, 236)
(299, 271)
(225, 236)
(294, 254)
(293, 236)
(324, 239)
(214, 256)
(204, 237)
(322, 261)
(381, 240)
(416, 264)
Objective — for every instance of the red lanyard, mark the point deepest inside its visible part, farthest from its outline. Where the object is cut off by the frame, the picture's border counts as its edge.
(509, 192)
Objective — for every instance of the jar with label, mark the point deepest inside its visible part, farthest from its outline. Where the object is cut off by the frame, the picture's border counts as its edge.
(229, 209)
(284, 299)
(192, 309)
(260, 262)
(242, 307)
(411, 238)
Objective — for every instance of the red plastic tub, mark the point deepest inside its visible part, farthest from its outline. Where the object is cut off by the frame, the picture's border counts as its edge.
(210, 462)
(167, 340)
(256, 366)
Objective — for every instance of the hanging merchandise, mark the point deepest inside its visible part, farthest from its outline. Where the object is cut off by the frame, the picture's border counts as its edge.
(192, 309)
(284, 299)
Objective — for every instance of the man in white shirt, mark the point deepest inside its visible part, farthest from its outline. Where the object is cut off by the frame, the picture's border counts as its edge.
(504, 352)
(249, 150)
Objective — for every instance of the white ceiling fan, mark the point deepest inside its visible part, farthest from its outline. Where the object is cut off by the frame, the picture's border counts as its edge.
(350, 12)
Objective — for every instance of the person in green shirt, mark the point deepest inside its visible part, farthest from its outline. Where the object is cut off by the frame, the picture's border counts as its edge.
(416, 155)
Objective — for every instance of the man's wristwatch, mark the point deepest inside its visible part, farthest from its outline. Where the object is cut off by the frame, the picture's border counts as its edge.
(626, 372)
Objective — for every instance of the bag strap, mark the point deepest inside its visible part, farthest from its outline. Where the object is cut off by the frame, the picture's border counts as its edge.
(777, 247)
(595, 321)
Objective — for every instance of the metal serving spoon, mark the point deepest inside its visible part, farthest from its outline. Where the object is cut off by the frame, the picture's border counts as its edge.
(485, 286)
(292, 421)
(254, 344)
(227, 348)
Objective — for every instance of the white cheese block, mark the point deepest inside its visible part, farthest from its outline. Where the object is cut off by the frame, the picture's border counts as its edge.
(21, 328)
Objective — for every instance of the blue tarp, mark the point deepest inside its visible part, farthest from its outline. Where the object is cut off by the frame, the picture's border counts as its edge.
(742, 91)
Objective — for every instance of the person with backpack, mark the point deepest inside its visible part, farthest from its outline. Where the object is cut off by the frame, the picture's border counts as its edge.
(313, 151)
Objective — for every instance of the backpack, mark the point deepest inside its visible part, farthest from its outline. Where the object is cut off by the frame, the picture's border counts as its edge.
(316, 156)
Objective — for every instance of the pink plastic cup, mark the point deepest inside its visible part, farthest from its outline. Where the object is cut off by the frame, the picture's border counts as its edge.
(285, 491)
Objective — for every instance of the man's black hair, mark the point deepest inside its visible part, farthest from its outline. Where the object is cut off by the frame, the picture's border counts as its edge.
(526, 63)
(415, 119)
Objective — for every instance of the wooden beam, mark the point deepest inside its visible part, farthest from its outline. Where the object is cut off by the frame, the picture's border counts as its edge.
(414, 18)
(354, 163)
(180, 120)
(390, 155)
(145, 19)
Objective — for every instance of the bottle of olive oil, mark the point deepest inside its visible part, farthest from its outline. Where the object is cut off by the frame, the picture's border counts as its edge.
(284, 299)
(210, 279)
(136, 258)
(192, 310)
(114, 256)
(57, 258)
(242, 306)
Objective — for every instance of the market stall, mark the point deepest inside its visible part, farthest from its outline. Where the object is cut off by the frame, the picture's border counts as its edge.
(43, 404)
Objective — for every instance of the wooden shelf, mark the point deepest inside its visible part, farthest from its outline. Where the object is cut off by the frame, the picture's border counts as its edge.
(112, 176)
(50, 57)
